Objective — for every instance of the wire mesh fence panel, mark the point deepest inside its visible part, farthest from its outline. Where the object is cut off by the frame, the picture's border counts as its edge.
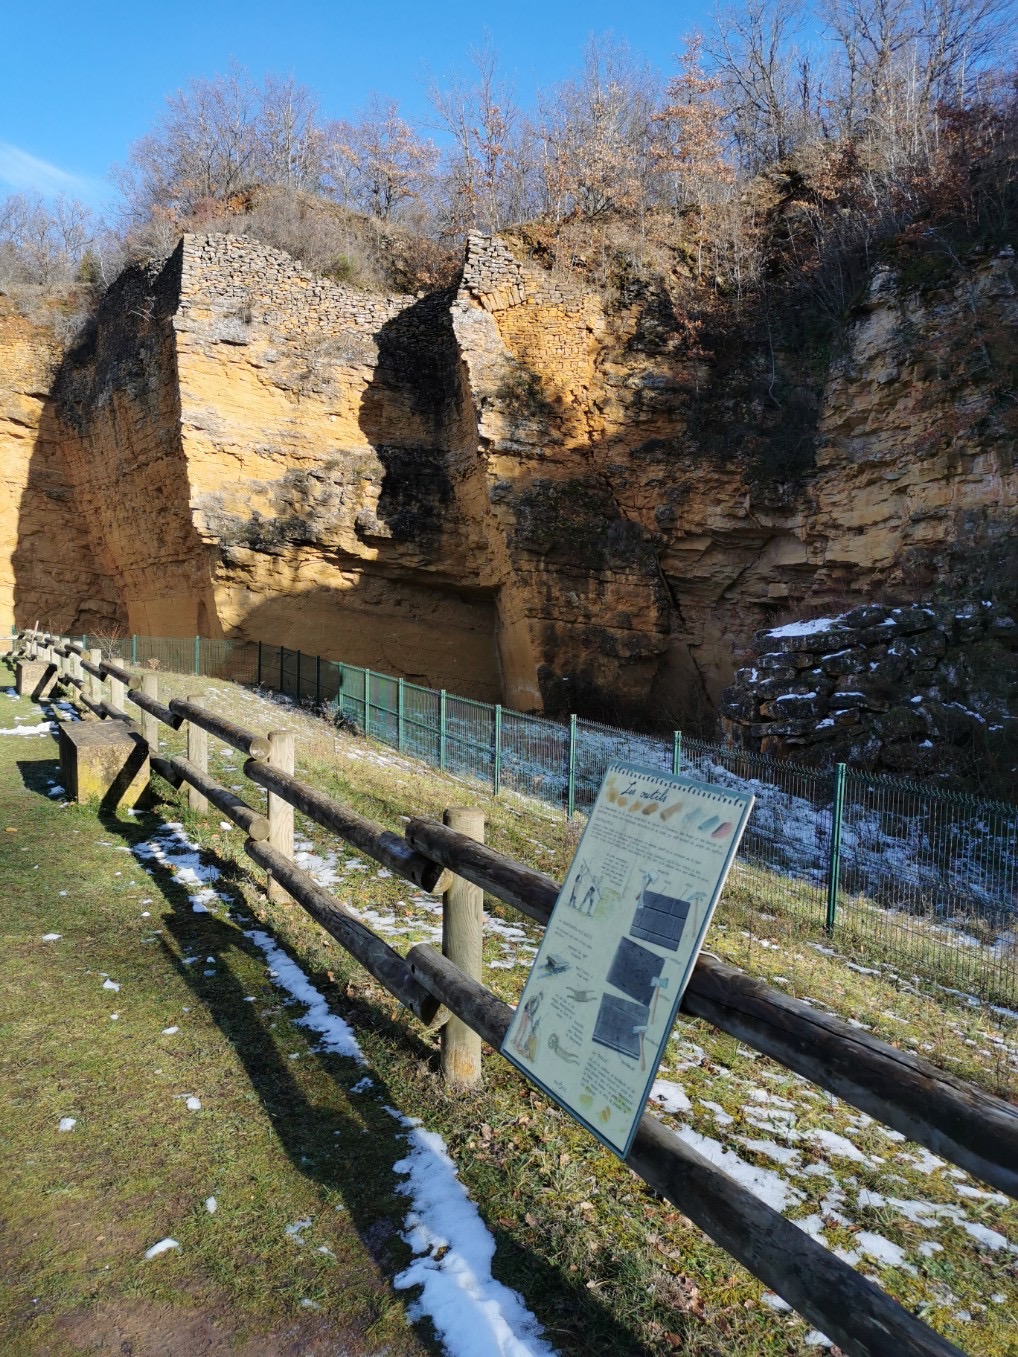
(931, 878)
(329, 674)
(597, 746)
(535, 757)
(173, 654)
(422, 723)
(384, 701)
(268, 666)
(789, 830)
(289, 671)
(236, 661)
(350, 704)
(469, 738)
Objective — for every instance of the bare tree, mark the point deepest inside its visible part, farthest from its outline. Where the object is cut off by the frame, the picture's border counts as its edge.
(766, 81)
(40, 244)
(380, 164)
(594, 136)
(484, 171)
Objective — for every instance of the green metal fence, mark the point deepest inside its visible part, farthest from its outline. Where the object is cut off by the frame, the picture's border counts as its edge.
(909, 874)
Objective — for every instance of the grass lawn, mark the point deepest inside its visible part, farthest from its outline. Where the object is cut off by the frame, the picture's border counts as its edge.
(282, 1137)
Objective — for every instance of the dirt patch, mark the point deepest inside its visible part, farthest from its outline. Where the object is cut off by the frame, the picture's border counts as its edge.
(147, 1330)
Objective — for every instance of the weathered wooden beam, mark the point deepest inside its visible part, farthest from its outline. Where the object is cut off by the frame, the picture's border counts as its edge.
(187, 709)
(381, 844)
(851, 1310)
(949, 1116)
(375, 955)
(150, 704)
(532, 893)
(166, 770)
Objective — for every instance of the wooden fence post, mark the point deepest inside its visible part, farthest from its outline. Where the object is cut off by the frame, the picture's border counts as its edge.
(95, 688)
(280, 811)
(150, 723)
(198, 754)
(117, 693)
(462, 940)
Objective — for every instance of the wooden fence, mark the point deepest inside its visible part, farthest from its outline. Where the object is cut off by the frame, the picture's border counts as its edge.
(948, 1116)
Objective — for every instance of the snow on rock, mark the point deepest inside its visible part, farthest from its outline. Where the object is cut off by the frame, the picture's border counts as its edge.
(163, 1246)
(472, 1312)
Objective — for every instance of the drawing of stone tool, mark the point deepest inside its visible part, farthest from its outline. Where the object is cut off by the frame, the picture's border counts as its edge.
(659, 982)
(563, 1053)
(641, 1032)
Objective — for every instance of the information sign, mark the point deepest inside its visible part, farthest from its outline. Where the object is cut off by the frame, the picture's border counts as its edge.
(628, 925)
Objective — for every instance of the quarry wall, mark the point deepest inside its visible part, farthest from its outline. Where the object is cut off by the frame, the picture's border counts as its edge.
(500, 489)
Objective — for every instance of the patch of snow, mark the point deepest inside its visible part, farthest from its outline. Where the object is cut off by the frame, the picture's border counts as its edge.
(163, 1246)
(720, 1115)
(810, 628)
(362, 1085)
(193, 1104)
(211, 1205)
(670, 1097)
(52, 937)
(170, 1031)
(471, 1311)
(768, 1185)
(111, 984)
(67, 1123)
(336, 1034)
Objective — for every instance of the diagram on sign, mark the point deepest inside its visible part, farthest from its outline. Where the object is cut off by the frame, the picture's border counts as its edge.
(624, 935)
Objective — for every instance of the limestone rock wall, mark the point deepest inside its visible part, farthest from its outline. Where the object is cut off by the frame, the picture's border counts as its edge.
(501, 489)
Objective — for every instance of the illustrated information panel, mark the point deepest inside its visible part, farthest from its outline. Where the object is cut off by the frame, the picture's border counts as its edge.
(621, 944)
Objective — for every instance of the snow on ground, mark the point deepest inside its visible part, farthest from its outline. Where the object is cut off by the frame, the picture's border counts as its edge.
(43, 728)
(474, 1313)
(171, 848)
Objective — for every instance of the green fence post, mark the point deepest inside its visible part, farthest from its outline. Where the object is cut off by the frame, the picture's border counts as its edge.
(367, 702)
(441, 731)
(197, 654)
(134, 649)
(496, 765)
(399, 715)
(676, 751)
(282, 676)
(571, 799)
(837, 812)
(318, 680)
(259, 664)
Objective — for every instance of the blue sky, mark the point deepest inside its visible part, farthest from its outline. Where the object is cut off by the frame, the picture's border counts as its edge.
(81, 82)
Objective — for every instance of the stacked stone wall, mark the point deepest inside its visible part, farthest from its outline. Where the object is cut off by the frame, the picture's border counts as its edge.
(922, 688)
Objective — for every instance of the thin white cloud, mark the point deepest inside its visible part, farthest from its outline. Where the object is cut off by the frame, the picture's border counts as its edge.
(22, 172)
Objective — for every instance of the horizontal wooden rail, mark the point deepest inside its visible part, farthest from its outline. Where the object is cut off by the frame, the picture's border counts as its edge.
(374, 954)
(251, 821)
(532, 893)
(155, 708)
(381, 844)
(949, 1116)
(851, 1310)
(244, 740)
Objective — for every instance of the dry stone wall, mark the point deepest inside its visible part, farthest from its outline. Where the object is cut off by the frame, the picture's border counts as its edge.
(924, 688)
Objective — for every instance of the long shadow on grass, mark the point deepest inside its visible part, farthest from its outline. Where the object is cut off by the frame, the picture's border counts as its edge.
(347, 1144)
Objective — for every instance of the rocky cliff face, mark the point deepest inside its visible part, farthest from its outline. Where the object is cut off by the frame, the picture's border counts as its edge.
(502, 489)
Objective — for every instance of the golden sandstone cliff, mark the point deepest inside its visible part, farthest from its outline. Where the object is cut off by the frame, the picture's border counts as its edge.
(500, 489)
